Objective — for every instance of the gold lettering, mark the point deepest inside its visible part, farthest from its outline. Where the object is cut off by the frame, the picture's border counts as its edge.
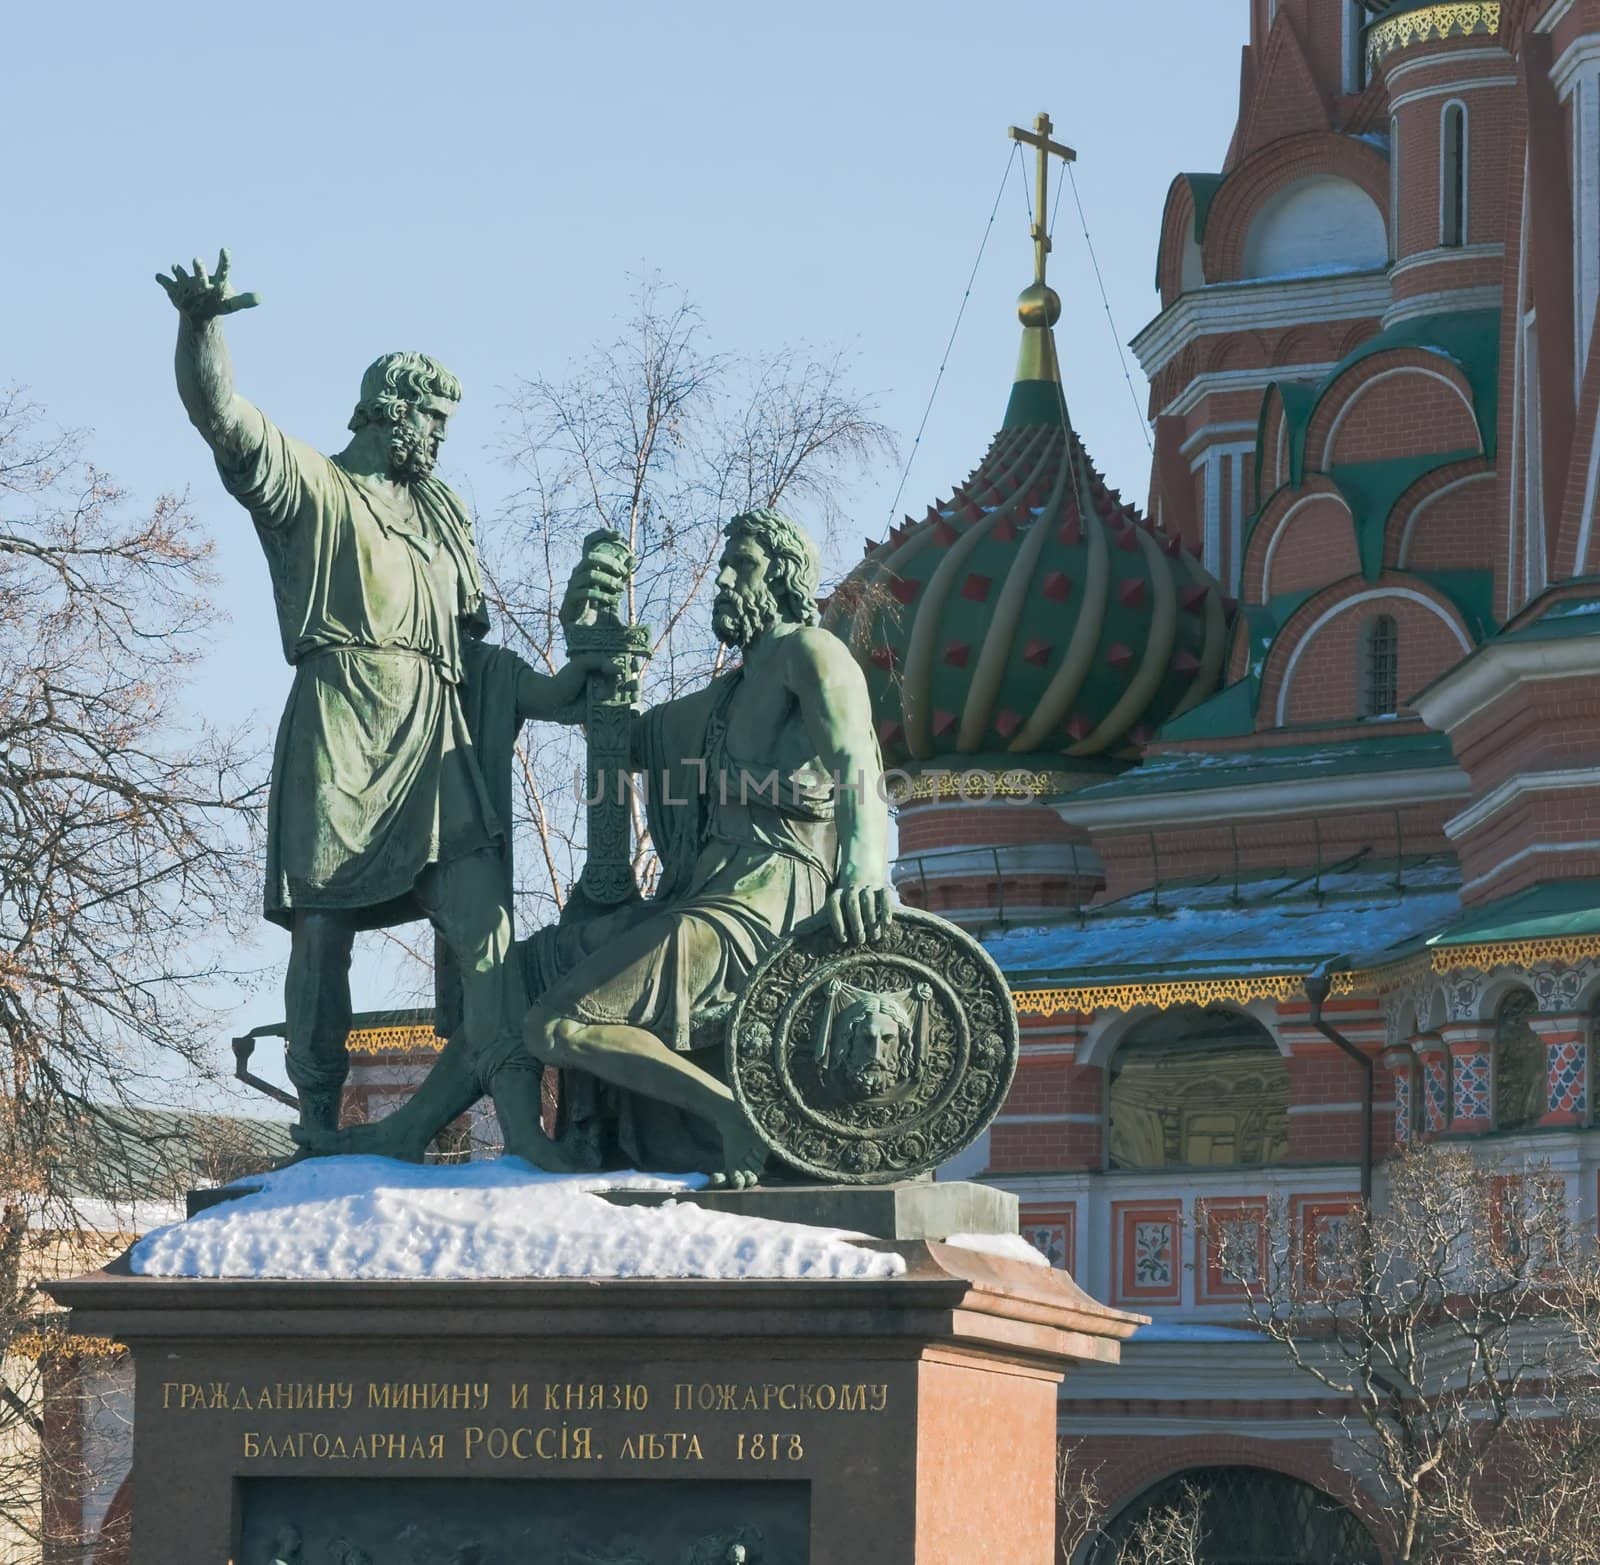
(252, 1443)
(877, 1398)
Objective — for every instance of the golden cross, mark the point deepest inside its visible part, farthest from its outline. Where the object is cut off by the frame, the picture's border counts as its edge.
(1039, 138)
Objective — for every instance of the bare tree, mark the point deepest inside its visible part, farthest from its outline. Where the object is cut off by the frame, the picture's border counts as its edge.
(662, 440)
(125, 856)
(1170, 1532)
(1457, 1322)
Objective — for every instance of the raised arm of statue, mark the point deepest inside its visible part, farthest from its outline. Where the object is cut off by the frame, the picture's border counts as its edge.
(230, 425)
(828, 684)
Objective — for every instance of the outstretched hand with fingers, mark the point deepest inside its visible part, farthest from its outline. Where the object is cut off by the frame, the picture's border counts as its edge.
(200, 296)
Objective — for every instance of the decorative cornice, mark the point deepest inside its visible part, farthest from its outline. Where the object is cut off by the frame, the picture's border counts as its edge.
(394, 1040)
(1497, 668)
(1256, 303)
(978, 786)
(1517, 787)
(1223, 381)
(1457, 19)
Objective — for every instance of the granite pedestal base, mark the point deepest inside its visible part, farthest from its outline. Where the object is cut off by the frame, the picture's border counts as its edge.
(903, 1421)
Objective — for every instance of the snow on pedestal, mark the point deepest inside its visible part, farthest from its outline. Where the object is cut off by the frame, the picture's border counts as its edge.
(372, 1218)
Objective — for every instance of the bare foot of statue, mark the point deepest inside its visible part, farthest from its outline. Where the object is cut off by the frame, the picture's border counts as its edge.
(744, 1153)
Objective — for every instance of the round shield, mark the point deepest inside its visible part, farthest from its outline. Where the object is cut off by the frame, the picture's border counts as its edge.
(866, 1064)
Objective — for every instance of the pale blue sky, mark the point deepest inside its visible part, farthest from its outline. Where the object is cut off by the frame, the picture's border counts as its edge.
(479, 180)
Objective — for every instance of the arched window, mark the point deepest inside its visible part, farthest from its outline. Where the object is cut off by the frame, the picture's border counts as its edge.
(1519, 1064)
(1380, 667)
(1453, 176)
(1238, 1516)
(1196, 1088)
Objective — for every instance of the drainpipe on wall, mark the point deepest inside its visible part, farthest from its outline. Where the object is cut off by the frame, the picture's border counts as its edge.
(1317, 987)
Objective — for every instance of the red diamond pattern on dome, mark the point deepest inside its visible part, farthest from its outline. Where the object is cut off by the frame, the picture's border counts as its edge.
(1194, 598)
(1004, 531)
(944, 534)
(1132, 592)
(1006, 723)
(1038, 652)
(1069, 532)
(1184, 662)
(904, 591)
(1058, 586)
(1079, 728)
(972, 511)
(943, 723)
(1128, 540)
(957, 653)
(1120, 657)
(976, 587)
(890, 732)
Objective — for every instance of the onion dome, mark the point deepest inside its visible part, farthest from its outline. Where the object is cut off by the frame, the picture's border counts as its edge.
(1034, 613)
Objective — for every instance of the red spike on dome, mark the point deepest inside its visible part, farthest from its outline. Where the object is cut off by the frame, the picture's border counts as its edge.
(957, 653)
(1037, 652)
(1058, 586)
(1069, 532)
(1184, 662)
(1194, 598)
(972, 511)
(976, 588)
(1004, 531)
(1132, 592)
(1120, 657)
(867, 547)
(883, 657)
(1128, 541)
(1079, 728)
(944, 534)
(904, 591)
(890, 732)
(943, 722)
(1007, 723)
(933, 513)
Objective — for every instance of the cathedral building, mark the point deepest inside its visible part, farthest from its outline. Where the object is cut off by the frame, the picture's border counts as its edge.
(1279, 801)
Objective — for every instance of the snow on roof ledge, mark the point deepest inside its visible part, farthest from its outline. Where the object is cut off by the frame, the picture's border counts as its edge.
(374, 1218)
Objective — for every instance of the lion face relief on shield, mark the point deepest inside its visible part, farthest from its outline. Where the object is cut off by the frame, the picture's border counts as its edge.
(869, 1044)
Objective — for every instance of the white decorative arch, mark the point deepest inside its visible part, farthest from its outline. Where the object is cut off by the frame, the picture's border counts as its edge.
(1107, 1032)
(1377, 594)
(1318, 225)
(1378, 380)
(1427, 500)
(1283, 527)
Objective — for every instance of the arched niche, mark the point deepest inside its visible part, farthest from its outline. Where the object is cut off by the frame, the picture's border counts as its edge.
(1194, 1088)
(1246, 1516)
(1321, 224)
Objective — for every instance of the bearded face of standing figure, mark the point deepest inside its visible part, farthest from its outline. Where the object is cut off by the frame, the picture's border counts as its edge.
(871, 1050)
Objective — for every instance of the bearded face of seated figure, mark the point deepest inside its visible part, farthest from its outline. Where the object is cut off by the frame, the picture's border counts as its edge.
(870, 1052)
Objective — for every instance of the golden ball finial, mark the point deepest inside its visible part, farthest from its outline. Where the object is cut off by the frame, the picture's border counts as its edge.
(1038, 305)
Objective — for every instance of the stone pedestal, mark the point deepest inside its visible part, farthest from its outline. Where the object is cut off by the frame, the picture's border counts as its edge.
(903, 1421)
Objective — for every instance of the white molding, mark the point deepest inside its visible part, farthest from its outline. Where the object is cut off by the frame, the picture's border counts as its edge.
(1483, 296)
(1517, 787)
(1531, 851)
(1323, 796)
(1450, 62)
(1438, 494)
(1355, 399)
(1463, 692)
(1337, 609)
(1446, 89)
(1582, 53)
(1586, 525)
(1242, 306)
(1442, 253)
(1220, 382)
(1554, 17)
(1207, 431)
(1047, 1119)
(1282, 526)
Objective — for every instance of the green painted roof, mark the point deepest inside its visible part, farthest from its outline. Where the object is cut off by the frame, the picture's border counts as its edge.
(1372, 488)
(1568, 907)
(1197, 771)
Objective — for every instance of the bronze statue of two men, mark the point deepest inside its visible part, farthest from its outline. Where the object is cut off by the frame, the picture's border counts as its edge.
(391, 788)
